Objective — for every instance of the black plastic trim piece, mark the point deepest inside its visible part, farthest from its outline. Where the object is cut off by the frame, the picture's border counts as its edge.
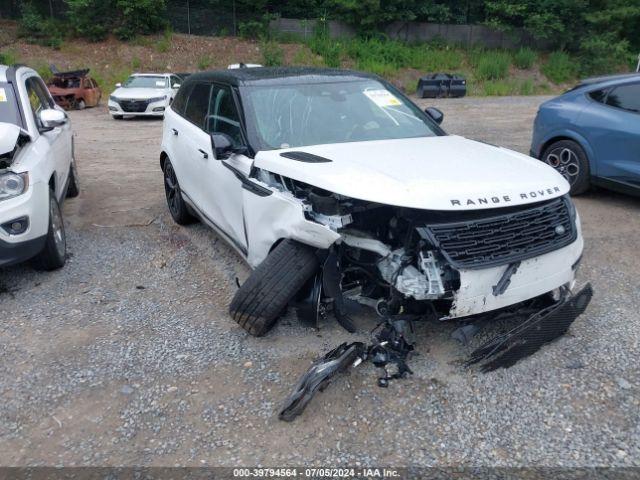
(12, 253)
(305, 157)
(248, 184)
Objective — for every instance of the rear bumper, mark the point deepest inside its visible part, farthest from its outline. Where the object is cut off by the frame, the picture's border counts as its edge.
(12, 253)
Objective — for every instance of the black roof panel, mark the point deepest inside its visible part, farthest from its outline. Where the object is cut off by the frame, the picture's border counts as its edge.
(278, 75)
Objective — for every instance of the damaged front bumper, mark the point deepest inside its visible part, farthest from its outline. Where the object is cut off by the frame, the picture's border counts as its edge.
(527, 338)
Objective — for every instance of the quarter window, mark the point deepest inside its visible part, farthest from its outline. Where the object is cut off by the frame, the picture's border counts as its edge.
(180, 101)
(626, 97)
(198, 104)
(598, 95)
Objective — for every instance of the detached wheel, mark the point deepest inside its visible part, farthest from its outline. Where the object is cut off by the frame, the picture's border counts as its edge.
(568, 159)
(73, 189)
(177, 207)
(54, 253)
(264, 296)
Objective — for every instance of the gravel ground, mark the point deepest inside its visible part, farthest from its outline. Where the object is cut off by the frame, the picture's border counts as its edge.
(128, 357)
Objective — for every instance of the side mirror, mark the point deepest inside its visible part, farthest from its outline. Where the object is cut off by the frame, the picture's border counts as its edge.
(435, 114)
(223, 146)
(51, 118)
(176, 85)
(118, 85)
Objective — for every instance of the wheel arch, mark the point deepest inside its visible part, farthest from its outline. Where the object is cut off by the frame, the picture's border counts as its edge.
(575, 137)
(163, 158)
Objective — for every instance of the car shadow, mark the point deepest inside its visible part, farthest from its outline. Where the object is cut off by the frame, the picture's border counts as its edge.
(614, 198)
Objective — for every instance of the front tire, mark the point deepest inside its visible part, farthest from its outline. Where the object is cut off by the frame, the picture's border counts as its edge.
(177, 207)
(569, 159)
(117, 117)
(265, 295)
(54, 253)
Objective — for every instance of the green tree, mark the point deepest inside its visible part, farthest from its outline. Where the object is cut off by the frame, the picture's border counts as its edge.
(559, 22)
(91, 19)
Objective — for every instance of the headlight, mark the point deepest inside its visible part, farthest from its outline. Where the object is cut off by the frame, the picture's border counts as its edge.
(112, 98)
(157, 99)
(13, 184)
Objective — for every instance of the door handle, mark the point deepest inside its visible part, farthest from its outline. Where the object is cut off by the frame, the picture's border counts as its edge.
(175, 132)
(204, 154)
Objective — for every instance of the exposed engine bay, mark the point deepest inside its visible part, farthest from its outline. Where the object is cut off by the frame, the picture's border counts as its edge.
(409, 261)
(12, 139)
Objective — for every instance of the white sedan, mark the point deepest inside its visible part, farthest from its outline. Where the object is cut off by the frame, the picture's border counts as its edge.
(143, 94)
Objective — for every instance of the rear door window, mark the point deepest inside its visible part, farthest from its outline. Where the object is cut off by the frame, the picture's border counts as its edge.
(198, 104)
(9, 109)
(626, 97)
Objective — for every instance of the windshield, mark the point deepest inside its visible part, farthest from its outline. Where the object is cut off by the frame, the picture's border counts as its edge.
(147, 81)
(313, 114)
(9, 112)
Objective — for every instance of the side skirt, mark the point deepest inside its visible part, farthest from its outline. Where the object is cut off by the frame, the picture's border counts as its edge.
(242, 251)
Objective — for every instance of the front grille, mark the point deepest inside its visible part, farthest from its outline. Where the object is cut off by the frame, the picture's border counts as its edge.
(134, 106)
(503, 239)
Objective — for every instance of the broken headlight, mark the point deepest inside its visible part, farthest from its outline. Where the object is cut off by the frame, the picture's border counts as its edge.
(13, 184)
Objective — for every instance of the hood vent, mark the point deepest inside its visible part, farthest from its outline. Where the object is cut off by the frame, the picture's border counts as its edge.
(305, 157)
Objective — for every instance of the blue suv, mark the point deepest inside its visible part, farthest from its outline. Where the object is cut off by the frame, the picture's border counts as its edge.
(591, 134)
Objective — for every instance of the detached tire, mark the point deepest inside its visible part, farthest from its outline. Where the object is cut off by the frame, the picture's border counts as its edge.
(265, 295)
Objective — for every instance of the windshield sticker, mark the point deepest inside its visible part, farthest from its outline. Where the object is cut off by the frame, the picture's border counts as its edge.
(3, 95)
(159, 83)
(382, 98)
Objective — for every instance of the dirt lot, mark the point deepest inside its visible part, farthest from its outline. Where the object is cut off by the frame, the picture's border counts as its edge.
(128, 357)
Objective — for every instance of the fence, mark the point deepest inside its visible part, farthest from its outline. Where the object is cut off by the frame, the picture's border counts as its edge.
(417, 32)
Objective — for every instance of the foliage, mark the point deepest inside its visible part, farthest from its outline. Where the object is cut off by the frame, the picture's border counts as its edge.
(8, 58)
(492, 65)
(139, 17)
(36, 28)
(90, 18)
(94, 19)
(164, 44)
(559, 22)
(602, 53)
(272, 54)
(524, 58)
(560, 67)
(204, 62)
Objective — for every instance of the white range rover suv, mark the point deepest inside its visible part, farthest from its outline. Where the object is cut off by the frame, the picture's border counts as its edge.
(334, 186)
(37, 170)
(143, 94)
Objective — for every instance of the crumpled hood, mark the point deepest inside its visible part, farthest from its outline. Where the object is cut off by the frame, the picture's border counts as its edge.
(138, 93)
(434, 173)
(9, 136)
